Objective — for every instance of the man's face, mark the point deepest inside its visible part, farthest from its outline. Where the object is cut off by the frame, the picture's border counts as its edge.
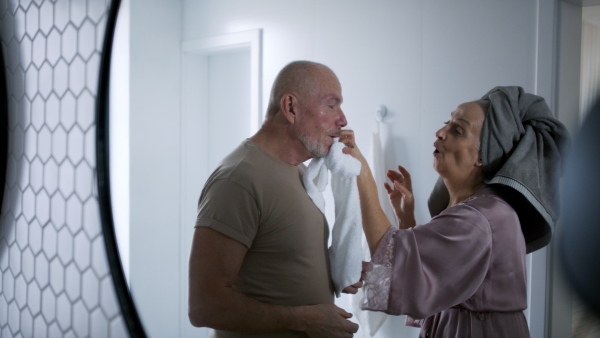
(321, 117)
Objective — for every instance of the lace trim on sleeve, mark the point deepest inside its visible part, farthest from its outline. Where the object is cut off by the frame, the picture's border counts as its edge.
(378, 276)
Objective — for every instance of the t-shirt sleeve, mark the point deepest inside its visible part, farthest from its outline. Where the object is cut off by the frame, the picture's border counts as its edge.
(229, 208)
(439, 264)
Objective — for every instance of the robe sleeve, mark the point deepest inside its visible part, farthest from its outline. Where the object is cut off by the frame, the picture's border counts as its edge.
(431, 267)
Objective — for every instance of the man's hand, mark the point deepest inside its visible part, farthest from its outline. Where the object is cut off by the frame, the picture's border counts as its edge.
(327, 320)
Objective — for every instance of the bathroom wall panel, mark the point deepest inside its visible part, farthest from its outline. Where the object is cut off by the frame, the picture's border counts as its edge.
(55, 280)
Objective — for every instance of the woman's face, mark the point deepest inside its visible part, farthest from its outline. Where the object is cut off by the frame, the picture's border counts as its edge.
(457, 155)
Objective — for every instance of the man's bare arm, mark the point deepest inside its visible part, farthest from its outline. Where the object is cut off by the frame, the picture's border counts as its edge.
(215, 261)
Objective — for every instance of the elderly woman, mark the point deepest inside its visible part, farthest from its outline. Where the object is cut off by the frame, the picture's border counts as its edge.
(463, 273)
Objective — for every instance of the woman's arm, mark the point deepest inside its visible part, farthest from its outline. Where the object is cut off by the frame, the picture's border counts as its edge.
(375, 222)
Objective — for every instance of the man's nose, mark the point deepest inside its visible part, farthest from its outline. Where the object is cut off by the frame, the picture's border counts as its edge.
(342, 122)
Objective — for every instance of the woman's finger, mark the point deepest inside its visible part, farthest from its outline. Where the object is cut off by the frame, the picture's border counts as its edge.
(388, 188)
(394, 176)
(406, 175)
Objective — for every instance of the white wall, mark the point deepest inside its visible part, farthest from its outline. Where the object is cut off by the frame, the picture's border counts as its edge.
(419, 58)
(155, 95)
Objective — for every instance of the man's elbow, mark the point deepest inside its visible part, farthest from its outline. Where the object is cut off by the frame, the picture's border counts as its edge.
(197, 317)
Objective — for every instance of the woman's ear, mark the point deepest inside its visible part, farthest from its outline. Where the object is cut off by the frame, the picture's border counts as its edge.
(289, 105)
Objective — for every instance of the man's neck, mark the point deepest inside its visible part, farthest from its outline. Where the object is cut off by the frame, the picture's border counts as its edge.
(279, 143)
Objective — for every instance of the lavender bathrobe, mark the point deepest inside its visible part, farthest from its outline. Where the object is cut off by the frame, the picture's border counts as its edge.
(463, 274)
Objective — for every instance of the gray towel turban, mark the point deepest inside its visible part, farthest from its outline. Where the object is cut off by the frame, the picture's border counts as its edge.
(522, 148)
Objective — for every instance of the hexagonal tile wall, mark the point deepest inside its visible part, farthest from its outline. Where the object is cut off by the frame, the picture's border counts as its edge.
(55, 280)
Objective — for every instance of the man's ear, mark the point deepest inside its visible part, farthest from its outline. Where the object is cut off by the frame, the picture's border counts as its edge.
(289, 106)
(479, 163)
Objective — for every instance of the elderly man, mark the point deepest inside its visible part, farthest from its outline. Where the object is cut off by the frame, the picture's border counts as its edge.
(259, 264)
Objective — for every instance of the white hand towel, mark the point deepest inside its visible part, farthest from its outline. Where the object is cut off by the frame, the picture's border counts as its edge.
(345, 251)
(315, 182)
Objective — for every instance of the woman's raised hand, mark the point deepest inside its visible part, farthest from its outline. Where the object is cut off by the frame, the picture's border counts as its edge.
(401, 197)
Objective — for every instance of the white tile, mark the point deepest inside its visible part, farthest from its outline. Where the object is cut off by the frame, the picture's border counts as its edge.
(78, 12)
(49, 243)
(99, 262)
(30, 143)
(8, 285)
(44, 144)
(48, 305)
(59, 144)
(82, 248)
(26, 323)
(76, 80)
(63, 312)
(90, 289)
(38, 52)
(40, 328)
(31, 82)
(65, 178)
(61, 14)
(86, 39)
(50, 176)
(37, 112)
(35, 237)
(52, 111)
(46, 17)
(57, 276)
(96, 10)
(60, 76)
(81, 319)
(41, 270)
(45, 80)
(86, 110)
(21, 291)
(57, 211)
(68, 110)
(74, 214)
(98, 324)
(75, 144)
(91, 218)
(34, 298)
(42, 207)
(65, 247)
(69, 43)
(53, 47)
(22, 232)
(28, 268)
(25, 52)
(28, 204)
(84, 180)
(19, 22)
(18, 83)
(13, 316)
(36, 174)
(72, 282)
(32, 21)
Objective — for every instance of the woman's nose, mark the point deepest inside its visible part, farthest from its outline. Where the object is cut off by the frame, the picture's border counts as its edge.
(440, 134)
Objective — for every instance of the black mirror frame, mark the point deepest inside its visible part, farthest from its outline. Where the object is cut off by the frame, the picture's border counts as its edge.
(128, 309)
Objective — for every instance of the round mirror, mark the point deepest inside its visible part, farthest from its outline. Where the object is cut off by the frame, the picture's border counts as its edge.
(190, 80)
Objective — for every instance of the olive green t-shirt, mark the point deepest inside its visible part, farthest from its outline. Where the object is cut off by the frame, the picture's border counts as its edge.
(260, 201)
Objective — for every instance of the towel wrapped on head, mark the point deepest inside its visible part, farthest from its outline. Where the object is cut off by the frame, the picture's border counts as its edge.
(522, 148)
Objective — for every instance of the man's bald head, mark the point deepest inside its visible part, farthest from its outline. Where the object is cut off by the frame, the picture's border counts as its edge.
(300, 78)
